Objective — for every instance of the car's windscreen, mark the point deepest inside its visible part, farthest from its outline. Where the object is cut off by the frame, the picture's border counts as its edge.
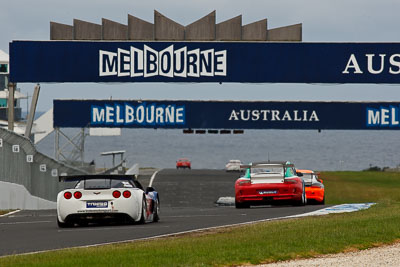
(273, 170)
(104, 183)
(307, 178)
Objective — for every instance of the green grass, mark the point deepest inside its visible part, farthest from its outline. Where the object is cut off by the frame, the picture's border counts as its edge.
(263, 242)
(345, 187)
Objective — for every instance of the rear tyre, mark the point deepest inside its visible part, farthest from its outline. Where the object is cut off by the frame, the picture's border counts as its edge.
(63, 225)
(142, 219)
(323, 200)
(156, 212)
(303, 200)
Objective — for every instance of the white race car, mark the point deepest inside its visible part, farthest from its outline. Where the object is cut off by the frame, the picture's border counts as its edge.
(233, 165)
(98, 198)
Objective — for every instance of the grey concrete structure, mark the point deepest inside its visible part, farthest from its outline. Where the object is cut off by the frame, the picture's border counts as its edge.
(139, 29)
(10, 105)
(31, 115)
(112, 30)
(256, 31)
(84, 30)
(22, 164)
(60, 31)
(202, 29)
(230, 30)
(167, 29)
(292, 33)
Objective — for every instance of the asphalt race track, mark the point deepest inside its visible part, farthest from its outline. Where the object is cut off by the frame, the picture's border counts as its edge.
(187, 203)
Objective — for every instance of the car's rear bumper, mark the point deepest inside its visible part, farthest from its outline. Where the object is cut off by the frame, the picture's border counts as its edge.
(183, 166)
(267, 193)
(67, 210)
(316, 194)
(98, 217)
(267, 198)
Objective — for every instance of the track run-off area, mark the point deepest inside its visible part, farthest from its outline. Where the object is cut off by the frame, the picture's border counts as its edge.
(187, 204)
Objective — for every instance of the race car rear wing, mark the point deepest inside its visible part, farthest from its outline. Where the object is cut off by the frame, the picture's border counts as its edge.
(244, 166)
(75, 178)
(247, 166)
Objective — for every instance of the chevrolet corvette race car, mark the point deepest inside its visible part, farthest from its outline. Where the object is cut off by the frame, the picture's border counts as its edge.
(98, 198)
(315, 190)
(269, 182)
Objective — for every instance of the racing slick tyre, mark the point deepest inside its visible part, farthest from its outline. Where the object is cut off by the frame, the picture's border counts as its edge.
(64, 225)
(303, 200)
(323, 201)
(144, 210)
(156, 212)
(239, 205)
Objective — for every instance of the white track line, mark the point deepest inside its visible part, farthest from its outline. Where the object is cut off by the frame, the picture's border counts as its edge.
(10, 213)
(152, 178)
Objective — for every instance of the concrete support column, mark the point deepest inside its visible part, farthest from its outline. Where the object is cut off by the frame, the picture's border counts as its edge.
(10, 106)
(31, 114)
(57, 144)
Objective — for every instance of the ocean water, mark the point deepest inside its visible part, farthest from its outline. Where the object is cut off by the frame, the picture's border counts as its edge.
(307, 149)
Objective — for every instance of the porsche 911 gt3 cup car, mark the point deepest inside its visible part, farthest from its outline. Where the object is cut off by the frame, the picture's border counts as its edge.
(269, 182)
(96, 198)
(315, 189)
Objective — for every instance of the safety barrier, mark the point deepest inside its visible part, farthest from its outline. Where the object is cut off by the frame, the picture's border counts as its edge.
(22, 164)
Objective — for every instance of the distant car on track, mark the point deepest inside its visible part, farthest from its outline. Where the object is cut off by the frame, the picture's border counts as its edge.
(183, 163)
(269, 182)
(233, 165)
(99, 198)
(315, 189)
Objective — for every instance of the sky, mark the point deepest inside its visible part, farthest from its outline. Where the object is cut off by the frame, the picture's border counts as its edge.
(323, 21)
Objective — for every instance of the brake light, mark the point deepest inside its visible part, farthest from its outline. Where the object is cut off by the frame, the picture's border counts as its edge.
(245, 182)
(116, 194)
(67, 195)
(290, 181)
(77, 195)
(126, 194)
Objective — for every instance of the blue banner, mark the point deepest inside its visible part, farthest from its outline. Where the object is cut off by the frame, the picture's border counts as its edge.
(258, 62)
(226, 114)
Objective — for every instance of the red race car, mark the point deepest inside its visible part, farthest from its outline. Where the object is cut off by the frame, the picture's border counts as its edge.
(183, 163)
(315, 190)
(269, 182)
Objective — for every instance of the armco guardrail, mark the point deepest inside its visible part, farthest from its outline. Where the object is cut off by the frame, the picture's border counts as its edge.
(22, 164)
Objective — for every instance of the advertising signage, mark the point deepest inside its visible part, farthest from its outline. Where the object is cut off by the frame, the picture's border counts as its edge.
(226, 114)
(243, 62)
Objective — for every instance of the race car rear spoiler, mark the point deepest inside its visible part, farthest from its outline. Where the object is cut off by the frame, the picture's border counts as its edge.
(75, 178)
(246, 166)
